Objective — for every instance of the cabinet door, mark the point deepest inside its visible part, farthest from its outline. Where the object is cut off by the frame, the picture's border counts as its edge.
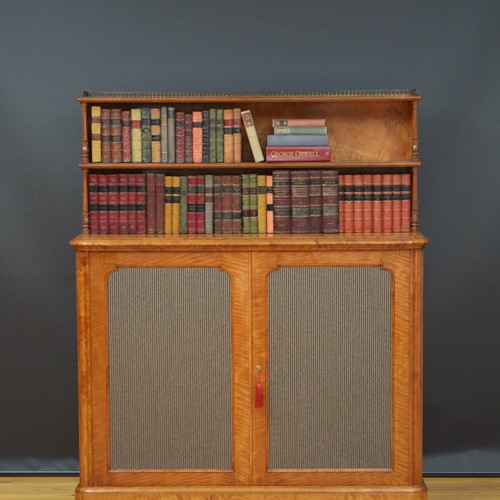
(168, 341)
(332, 335)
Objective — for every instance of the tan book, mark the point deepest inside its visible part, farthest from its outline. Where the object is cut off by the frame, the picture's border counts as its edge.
(253, 139)
(261, 204)
(95, 132)
(155, 135)
(237, 135)
(176, 199)
(136, 137)
(168, 204)
(228, 136)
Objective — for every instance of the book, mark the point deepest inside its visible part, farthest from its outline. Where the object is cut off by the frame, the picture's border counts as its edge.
(183, 205)
(146, 134)
(164, 134)
(349, 203)
(200, 204)
(269, 205)
(212, 135)
(251, 131)
(123, 202)
(141, 203)
(341, 204)
(136, 135)
(176, 204)
(299, 199)
(405, 203)
(297, 140)
(377, 203)
(228, 136)
(281, 201)
(396, 203)
(386, 203)
(95, 133)
(206, 136)
(126, 138)
(168, 204)
(116, 135)
(171, 134)
(219, 134)
(245, 203)
(261, 204)
(358, 203)
(106, 135)
(253, 222)
(93, 193)
(237, 135)
(150, 203)
(298, 153)
(159, 203)
(209, 204)
(330, 200)
(227, 204)
(132, 204)
(197, 136)
(102, 200)
(279, 130)
(315, 202)
(188, 138)
(236, 204)
(191, 204)
(218, 204)
(367, 203)
(179, 136)
(299, 122)
(113, 213)
(155, 135)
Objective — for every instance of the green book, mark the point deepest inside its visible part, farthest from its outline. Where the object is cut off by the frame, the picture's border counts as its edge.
(254, 220)
(245, 203)
(183, 206)
(212, 132)
(219, 135)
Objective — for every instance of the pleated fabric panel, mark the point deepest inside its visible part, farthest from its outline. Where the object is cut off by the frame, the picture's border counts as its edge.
(329, 368)
(170, 368)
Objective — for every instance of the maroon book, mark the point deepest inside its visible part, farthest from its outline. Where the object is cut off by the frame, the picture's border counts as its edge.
(200, 204)
(396, 203)
(116, 135)
(93, 204)
(341, 203)
(227, 205)
(188, 138)
(298, 153)
(299, 193)
(405, 203)
(150, 203)
(348, 203)
(131, 202)
(102, 182)
(282, 201)
(113, 210)
(191, 204)
(218, 204)
(377, 203)
(105, 135)
(141, 202)
(386, 203)
(160, 203)
(179, 136)
(367, 203)
(126, 137)
(123, 203)
(236, 204)
(358, 203)
(330, 200)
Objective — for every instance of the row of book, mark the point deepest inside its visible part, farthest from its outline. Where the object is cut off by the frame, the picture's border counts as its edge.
(165, 135)
(288, 201)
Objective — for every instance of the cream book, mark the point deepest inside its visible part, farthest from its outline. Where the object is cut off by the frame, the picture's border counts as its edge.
(252, 135)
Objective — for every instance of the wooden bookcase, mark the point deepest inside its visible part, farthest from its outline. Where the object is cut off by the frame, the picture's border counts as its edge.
(172, 328)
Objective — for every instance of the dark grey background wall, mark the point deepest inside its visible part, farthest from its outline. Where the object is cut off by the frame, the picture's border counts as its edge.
(52, 50)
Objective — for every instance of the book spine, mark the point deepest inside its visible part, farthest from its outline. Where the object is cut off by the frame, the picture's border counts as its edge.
(183, 215)
(297, 140)
(299, 122)
(188, 138)
(209, 204)
(298, 153)
(254, 223)
(405, 203)
(299, 130)
(141, 206)
(212, 135)
(227, 205)
(253, 139)
(282, 201)
(164, 134)
(102, 188)
(116, 136)
(245, 203)
(219, 134)
(349, 203)
(171, 134)
(126, 140)
(206, 136)
(341, 204)
(315, 202)
(236, 204)
(200, 204)
(132, 204)
(330, 200)
(396, 203)
(218, 204)
(93, 190)
(95, 133)
(160, 203)
(299, 193)
(197, 136)
(386, 203)
(176, 204)
(113, 208)
(136, 134)
(106, 135)
(123, 203)
(377, 203)
(261, 204)
(150, 204)
(358, 203)
(146, 134)
(269, 205)
(191, 204)
(237, 135)
(168, 204)
(179, 136)
(367, 203)
(228, 136)
(155, 135)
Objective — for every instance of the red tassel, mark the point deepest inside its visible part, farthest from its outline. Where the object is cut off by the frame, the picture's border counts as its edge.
(259, 397)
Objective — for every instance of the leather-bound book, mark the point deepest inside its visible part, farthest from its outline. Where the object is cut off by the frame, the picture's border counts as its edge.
(188, 138)
(95, 133)
(93, 189)
(377, 203)
(146, 134)
(102, 191)
(218, 204)
(387, 203)
(228, 136)
(164, 134)
(206, 136)
(126, 137)
(132, 204)
(106, 135)
(245, 203)
(168, 204)
(141, 205)
(113, 208)
(197, 137)
(171, 134)
(330, 200)
(176, 204)
(253, 139)
(298, 153)
(358, 203)
(136, 135)
(254, 221)
(227, 205)
(160, 203)
(237, 135)
(179, 136)
(200, 204)
(150, 203)
(299, 192)
(405, 203)
(315, 202)
(287, 130)
(349, 203)
(269, 205)
(299, 122)
(123, 202)
(236, 204)
(209, 204)
(219, 134)
(396, 203)
(116, 135)
(261, 204)
(191, 204)
(155, 135)
(282, 201)
(183, 207)
(212, 135)
(367, 203)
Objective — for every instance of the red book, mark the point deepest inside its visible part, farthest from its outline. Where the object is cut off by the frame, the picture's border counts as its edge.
(132, 204)
(386, 203)
(179, 136)
(377, 203)
(299, 122)
(141, 203)
(102, 188)
(236, 204)
(116, 135)
(218, 204)
(105, 135)
(160, 203)
(93, 204)
(270, 205)
(358, 203)
(396, 203)
(405, 203)
(348, 203)
(298, 153)
(237, 135)
(188, 138)
(123, 203)
(191, 205)
(200, 204)
(150, 203)
(227, 205)
(282, 202)
(113, 219)
(367, 203)
(126, 137)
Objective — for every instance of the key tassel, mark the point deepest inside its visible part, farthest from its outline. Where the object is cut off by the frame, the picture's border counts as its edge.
(259, 396)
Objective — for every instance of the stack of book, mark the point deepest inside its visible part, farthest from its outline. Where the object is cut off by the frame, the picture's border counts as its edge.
(301, 139)
(165, 135)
